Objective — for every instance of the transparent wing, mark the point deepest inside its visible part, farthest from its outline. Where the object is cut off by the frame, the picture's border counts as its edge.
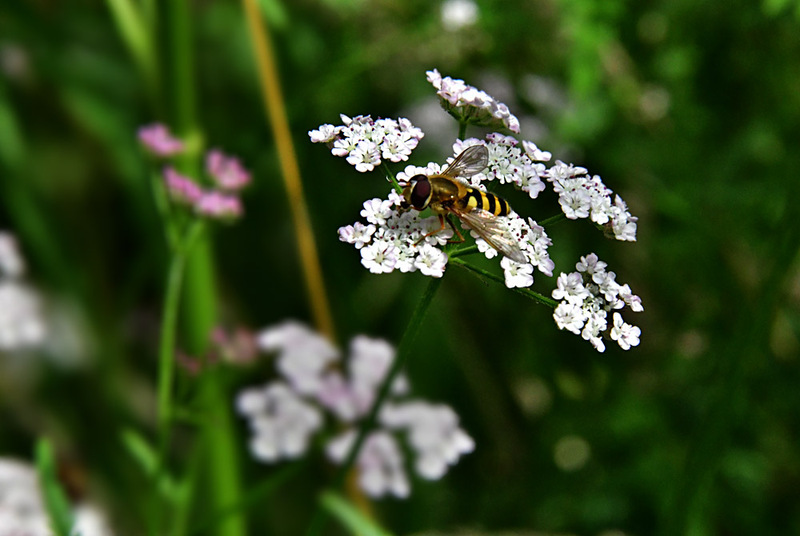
(469, 162)
(493, 230)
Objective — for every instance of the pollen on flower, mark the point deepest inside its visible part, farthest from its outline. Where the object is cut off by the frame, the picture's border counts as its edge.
(587, 296)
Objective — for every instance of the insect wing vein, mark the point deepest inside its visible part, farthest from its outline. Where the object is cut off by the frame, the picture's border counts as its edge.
(469, 162)
(489, 227)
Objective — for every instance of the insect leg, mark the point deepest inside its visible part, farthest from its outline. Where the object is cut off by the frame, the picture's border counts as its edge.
(439, 230)
(455, 230)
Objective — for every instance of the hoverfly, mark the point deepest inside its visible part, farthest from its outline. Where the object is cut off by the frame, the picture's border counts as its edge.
(446, 195)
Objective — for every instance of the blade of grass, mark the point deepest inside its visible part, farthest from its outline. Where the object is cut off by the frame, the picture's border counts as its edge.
(275, 108)
(55, 500)
(349, 516)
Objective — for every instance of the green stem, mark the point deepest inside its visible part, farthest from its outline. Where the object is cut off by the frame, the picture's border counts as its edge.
(466, 250)
(497, 279)
(166, 354)
(392, 178)
(368, 424)
(462, 130)
(552, 219)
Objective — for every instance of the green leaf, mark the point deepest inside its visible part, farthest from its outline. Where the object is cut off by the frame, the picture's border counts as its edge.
(147, 458)
(56, 502)
(349, 516)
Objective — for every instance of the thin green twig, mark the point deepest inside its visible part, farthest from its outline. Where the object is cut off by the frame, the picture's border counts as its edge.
(544, 300)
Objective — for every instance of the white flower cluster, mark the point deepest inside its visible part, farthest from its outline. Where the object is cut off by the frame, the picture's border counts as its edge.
(392, 239)
(364, 141)
(510, 164)
(471, 105)
(584, 196)
(22, 508)
(285, 414)
(22, 324)
(587, 296)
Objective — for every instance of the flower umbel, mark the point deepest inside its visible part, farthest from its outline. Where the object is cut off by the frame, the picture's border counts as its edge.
(364, 141)
(587, 296)
(286, 413)
(470, 105)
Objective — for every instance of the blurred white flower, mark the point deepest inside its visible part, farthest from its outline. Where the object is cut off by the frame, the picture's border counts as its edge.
(22, 508)
(281, 421)
(458, 14)
(380, 463)
(303, 354)
(11, 262)
(284, 416)
(21, 322)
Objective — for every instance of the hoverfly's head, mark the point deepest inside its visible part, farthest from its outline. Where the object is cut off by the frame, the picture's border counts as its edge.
(417, 193)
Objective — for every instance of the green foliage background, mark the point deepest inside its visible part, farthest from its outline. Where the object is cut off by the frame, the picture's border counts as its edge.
(690, 110)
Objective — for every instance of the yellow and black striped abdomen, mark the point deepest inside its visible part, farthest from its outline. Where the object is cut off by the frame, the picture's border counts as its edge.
(486, 201)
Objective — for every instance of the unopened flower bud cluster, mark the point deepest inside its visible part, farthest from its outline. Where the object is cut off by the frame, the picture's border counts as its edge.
(22, 323)
(587, 297)
(470, 104)
(316, 386)
(364, 142)
(229, 177)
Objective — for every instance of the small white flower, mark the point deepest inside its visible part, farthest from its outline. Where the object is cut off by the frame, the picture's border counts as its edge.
(570, 287)
(379, 257)
(431, 261)
(517, 275)
(591, 265)
(534, 153)
(365, 156)
(569, 316)
(357, 234)
(324, 134)
(625, 334)
(281, 421)
(575, 203)
(377, 211)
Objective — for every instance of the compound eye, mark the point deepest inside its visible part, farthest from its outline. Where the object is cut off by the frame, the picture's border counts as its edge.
(420, 193)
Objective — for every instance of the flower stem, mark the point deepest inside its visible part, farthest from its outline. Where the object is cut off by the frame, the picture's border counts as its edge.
(497, 279)
(392, 178)
(462, 130)
(552, 219)
(166, 353)
(276, 110)
(403, 350)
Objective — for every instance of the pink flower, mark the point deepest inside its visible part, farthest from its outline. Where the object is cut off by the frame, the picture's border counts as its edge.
(218, 205)
(157, 139)
(182, 188)
(227, 171)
